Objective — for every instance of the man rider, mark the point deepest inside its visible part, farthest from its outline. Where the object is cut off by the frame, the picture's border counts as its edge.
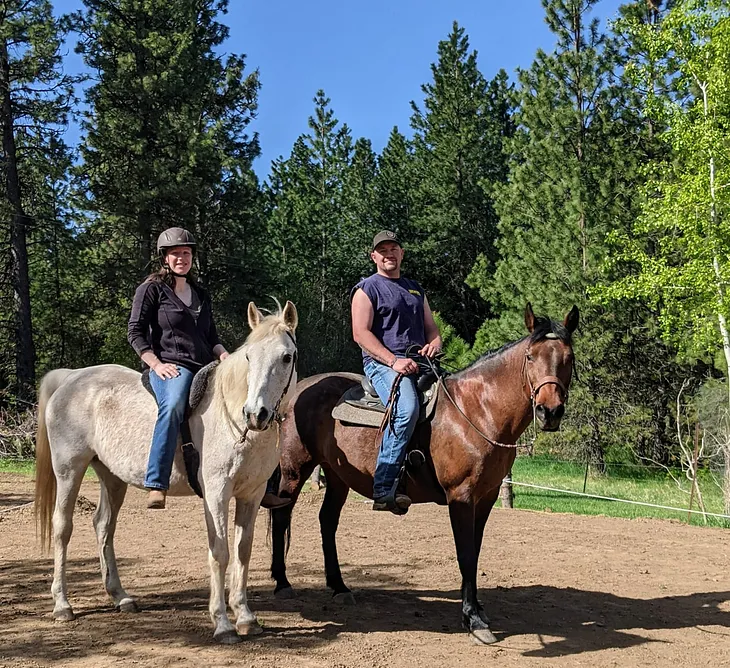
(390, 313)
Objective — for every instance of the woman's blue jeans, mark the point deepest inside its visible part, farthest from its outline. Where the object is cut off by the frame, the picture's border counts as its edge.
(393, 447)
(172, 399)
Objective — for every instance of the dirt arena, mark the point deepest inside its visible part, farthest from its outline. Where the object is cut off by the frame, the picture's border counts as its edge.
(560, 590)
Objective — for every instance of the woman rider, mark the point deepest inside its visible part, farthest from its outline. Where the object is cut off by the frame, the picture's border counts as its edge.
(171, 328)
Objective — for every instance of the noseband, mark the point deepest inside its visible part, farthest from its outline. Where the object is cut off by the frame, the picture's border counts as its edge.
(542, 382)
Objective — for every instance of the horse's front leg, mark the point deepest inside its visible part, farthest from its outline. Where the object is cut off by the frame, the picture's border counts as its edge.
(216, 520)
(245, 520)
(463, 524)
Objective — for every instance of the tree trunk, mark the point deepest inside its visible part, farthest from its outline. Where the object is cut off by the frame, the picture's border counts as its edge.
(726, 479)
(20, 282)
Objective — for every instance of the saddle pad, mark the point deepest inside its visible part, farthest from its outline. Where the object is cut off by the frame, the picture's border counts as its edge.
(197, 389)
(357, 408)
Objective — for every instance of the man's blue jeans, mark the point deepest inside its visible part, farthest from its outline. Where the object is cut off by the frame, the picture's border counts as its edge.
(393, 447)
(172, 398)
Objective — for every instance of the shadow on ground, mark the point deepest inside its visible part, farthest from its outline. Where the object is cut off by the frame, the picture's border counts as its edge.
(568, 621)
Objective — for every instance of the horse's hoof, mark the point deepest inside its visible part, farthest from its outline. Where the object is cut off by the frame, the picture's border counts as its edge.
(344, 598)
(252, 628)
(227, 637)
(64, 615)
(128, 605)
(285, 594)
(483, 636)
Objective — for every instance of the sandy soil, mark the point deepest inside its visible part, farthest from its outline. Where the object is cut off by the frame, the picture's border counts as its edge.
(560, 590)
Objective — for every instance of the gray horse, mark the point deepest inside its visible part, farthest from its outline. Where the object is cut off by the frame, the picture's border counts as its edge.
(101, 416)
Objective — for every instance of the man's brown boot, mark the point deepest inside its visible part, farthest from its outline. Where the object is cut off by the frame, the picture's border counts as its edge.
(156, 499)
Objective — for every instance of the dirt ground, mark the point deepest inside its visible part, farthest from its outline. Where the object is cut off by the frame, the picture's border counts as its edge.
(560, 590)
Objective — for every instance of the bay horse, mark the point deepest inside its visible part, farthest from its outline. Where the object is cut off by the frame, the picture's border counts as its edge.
(469, 448)
(102, 417)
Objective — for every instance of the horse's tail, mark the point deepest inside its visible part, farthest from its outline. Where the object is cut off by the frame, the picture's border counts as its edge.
(45, 479)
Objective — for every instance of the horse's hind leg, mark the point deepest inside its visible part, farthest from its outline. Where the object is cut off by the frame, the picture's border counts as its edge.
(67, 489)
(329, 519)
(111, 497)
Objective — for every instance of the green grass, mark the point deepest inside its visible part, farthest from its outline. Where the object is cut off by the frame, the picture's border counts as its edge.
(22, 466)
(27, 467)
(635, 484)
(623, 482)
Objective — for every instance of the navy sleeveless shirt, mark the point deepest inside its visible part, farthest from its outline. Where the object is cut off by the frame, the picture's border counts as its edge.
(398, 312)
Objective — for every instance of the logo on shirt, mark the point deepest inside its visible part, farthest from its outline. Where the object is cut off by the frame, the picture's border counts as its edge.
(415, 292)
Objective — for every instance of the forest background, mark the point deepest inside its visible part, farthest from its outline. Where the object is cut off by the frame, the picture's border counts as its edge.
(598, 176)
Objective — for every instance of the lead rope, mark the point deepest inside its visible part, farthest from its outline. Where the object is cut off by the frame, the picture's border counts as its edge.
(389, 415)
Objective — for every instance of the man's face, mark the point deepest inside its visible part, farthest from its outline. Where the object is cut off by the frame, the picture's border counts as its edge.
(387, 256)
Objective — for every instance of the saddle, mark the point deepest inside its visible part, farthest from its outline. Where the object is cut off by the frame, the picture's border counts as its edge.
(191, 456)
(361, 406)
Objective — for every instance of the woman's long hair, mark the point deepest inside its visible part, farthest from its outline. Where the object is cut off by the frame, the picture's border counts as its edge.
(164, 274)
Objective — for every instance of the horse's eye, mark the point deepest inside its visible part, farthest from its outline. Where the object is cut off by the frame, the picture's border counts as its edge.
(530, 358)
(247, 359)
(287, 358)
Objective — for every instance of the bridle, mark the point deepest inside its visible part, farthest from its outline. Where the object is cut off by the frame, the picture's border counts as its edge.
(534, 388)
(277, 417)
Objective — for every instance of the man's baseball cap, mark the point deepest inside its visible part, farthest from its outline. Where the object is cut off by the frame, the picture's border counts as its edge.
(385, 235)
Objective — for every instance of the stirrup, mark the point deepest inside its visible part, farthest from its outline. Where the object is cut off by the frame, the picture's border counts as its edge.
(397, 505)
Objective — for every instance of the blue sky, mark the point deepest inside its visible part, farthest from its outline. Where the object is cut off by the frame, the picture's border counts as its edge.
(371, 58)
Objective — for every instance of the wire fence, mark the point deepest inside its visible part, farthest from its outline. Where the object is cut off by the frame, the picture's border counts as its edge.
(549, 483)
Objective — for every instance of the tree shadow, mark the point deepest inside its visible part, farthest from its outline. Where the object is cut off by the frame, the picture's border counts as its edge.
(8, 500)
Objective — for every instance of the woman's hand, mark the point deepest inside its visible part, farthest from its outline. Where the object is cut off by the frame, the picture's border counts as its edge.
(165, 370)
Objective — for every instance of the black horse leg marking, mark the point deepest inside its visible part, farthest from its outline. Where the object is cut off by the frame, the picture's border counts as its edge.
(329, 519)
(463, 526)
(480, 520)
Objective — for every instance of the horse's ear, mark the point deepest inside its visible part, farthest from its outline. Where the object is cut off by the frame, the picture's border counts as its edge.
(571, 320)
(254, 315)
(529, 318)
(291, 318)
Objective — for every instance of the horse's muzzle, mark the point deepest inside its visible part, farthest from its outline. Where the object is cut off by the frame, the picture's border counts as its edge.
(549, 418)
(258, 421)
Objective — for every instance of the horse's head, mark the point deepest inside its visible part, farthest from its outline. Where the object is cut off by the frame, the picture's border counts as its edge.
(548, 365)
(271, 352)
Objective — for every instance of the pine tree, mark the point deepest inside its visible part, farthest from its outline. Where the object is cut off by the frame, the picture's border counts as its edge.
(165, 144)
(318, 223)
(458, 140)
(34, 100)
(573, 177)
(395, 187)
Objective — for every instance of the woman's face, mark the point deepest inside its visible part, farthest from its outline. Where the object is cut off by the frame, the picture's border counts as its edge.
(179, 259)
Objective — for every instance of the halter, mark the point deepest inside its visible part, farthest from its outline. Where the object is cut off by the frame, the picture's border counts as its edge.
(277, 417)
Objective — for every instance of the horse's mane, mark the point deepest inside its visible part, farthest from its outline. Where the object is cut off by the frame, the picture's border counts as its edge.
(544, 328)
